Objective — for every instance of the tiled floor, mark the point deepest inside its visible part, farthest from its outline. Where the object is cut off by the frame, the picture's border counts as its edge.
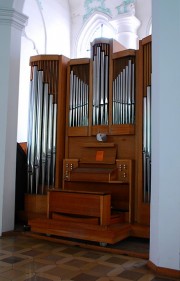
(24, 258)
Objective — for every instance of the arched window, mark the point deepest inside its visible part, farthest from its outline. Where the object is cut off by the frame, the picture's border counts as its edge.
(97, 26)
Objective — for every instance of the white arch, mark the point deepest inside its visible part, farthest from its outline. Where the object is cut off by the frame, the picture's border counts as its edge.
(88, 30)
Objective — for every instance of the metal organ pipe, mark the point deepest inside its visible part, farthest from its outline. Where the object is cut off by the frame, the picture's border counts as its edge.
(147, 66)
(32, 136)
(147, 145)
(44, 136)
(71, 99)
(42, 125)
(144, 145)
(49, 141)
(124, 95)
(38, 129)
(102, 99)
(106, 87)
(54, 142)
(78, 104)
(100, 83)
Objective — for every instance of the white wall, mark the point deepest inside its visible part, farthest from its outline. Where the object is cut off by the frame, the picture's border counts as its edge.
(165, 199)
(47, 32)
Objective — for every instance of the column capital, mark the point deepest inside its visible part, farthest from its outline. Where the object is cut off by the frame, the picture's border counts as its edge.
(126, 26)
(13, 18)
(126, 23)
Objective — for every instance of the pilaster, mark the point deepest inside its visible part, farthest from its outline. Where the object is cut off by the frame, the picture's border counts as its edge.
(11, 26)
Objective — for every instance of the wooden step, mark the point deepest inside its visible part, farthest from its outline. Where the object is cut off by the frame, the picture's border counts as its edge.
(90, 232)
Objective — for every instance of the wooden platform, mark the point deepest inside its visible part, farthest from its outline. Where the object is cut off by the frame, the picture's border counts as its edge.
(82, 215)
(103, 234)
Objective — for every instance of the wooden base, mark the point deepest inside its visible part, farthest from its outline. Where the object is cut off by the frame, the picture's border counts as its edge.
(86, 216)
(90, 232)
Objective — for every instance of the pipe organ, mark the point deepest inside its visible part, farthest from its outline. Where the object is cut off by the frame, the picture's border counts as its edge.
(106, 157)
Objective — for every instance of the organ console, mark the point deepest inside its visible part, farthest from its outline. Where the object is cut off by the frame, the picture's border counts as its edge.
(99, 179)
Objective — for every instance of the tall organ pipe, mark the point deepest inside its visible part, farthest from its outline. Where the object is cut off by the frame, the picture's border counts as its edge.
(32, 133)
(100, 83)
(71, 99)
(29, 138)
(102, 70)
(106, 89)
(42, 125)
(44, 136)
(94, 90)
(54, 142)
(144, 145)
(38, 129)
(78, 102)
(133, 95)
(49, 138)
(124, 95)
(147, 145)
(148, 142)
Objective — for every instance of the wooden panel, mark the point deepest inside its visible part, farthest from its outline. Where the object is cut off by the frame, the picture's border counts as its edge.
(98, 155)
(125, 146)
(123, 129)
(75, 218)
(61, 120)
(103, 129)
(94, 174)
(123, 53)
(119, 192)
(77, 131)
(81, 203)
(35, 205)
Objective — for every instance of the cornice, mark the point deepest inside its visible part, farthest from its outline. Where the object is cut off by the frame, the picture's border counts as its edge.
(13, 18)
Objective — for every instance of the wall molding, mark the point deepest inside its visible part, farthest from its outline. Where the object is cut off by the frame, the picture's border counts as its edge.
(13, 18)
(163, 270)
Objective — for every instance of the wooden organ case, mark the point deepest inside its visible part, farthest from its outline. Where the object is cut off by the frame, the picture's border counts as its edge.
(104, 196)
